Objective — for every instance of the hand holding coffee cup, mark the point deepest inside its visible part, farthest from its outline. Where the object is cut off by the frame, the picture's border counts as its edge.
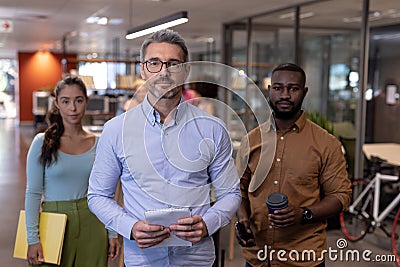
(276, 201)
(280, 213)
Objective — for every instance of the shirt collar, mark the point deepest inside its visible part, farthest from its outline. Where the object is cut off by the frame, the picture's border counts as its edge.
(153, 116)
(297, 126)
(301, 122)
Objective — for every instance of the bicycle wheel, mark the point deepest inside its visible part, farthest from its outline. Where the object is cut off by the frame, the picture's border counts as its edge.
(396, 237)
(356, 223)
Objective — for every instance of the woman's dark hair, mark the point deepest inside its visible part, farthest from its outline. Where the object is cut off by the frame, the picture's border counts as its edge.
(53, 133)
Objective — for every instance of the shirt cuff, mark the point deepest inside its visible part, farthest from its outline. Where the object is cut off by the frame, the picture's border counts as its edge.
(112, 234)
(211, 224)
(126, 225)
(33, 240)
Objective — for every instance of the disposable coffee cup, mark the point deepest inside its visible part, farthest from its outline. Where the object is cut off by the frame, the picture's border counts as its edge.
(276, 201)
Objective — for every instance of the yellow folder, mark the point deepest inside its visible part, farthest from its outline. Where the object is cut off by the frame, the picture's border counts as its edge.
(51, 230)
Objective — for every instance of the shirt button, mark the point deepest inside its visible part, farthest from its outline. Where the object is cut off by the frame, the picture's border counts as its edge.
(275, 182)
(278, 159)
(281, 137)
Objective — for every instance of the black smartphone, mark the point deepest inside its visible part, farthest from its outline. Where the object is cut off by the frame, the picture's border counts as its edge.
(242, 231)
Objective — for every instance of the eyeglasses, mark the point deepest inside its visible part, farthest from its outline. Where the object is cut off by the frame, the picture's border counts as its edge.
(155, 65)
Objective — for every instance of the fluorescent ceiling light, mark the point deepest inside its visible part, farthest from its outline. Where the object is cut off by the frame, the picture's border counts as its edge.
(375, 15)
(387, 36)
(160, 24)
(291, 15)
(116, 21)
(91, 20)
(102, 21)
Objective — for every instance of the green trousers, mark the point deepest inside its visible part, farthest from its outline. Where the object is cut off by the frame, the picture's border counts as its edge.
(86, 239)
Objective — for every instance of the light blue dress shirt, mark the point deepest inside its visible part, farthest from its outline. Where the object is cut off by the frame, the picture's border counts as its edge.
(163, 166)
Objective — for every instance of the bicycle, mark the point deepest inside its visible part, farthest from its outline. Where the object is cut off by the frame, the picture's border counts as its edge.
(364, 213)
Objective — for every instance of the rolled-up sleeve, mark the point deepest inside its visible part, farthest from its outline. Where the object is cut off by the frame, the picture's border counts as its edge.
(334, 177)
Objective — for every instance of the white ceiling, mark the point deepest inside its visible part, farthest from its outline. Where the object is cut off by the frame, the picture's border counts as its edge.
(41, 24)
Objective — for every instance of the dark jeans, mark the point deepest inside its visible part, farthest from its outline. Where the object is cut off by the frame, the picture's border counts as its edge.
(322, 264)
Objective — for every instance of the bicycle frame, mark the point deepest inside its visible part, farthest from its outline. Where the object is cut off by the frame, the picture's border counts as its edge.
(376, 184)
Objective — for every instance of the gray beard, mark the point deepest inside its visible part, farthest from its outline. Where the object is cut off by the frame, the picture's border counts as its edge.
(166, 95)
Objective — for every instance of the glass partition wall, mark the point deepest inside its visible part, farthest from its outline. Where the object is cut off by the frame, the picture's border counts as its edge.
(326, 38)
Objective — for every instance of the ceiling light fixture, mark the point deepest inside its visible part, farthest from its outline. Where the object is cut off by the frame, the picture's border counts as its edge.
(291, 15)
(91, 20)
(102, 21)
(375, 15)
(160, 24)
(97, 20)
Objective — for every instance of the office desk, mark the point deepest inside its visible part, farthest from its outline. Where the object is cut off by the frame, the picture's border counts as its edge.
(97, 118)
(387, 151)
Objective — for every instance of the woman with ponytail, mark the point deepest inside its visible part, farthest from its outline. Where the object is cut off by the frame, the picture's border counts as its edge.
(59, 162)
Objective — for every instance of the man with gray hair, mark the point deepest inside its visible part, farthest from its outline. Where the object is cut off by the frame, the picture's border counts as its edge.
(166, 153)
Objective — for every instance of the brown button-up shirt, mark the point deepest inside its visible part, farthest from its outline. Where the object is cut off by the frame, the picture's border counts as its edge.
(308, 163)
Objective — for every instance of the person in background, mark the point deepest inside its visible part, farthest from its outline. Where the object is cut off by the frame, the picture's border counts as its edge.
(203, 103)
(202, 94)
(59, 162)
(145, 148)
(131, 100)
(138, 97)
(308, 166)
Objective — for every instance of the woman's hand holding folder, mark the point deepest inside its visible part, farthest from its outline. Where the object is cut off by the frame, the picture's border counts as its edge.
(35, 254)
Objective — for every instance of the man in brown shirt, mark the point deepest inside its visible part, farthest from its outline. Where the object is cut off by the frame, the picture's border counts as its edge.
(307, 164)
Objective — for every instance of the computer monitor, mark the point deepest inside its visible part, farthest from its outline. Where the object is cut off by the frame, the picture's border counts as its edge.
(97, 104)
(41, 102)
